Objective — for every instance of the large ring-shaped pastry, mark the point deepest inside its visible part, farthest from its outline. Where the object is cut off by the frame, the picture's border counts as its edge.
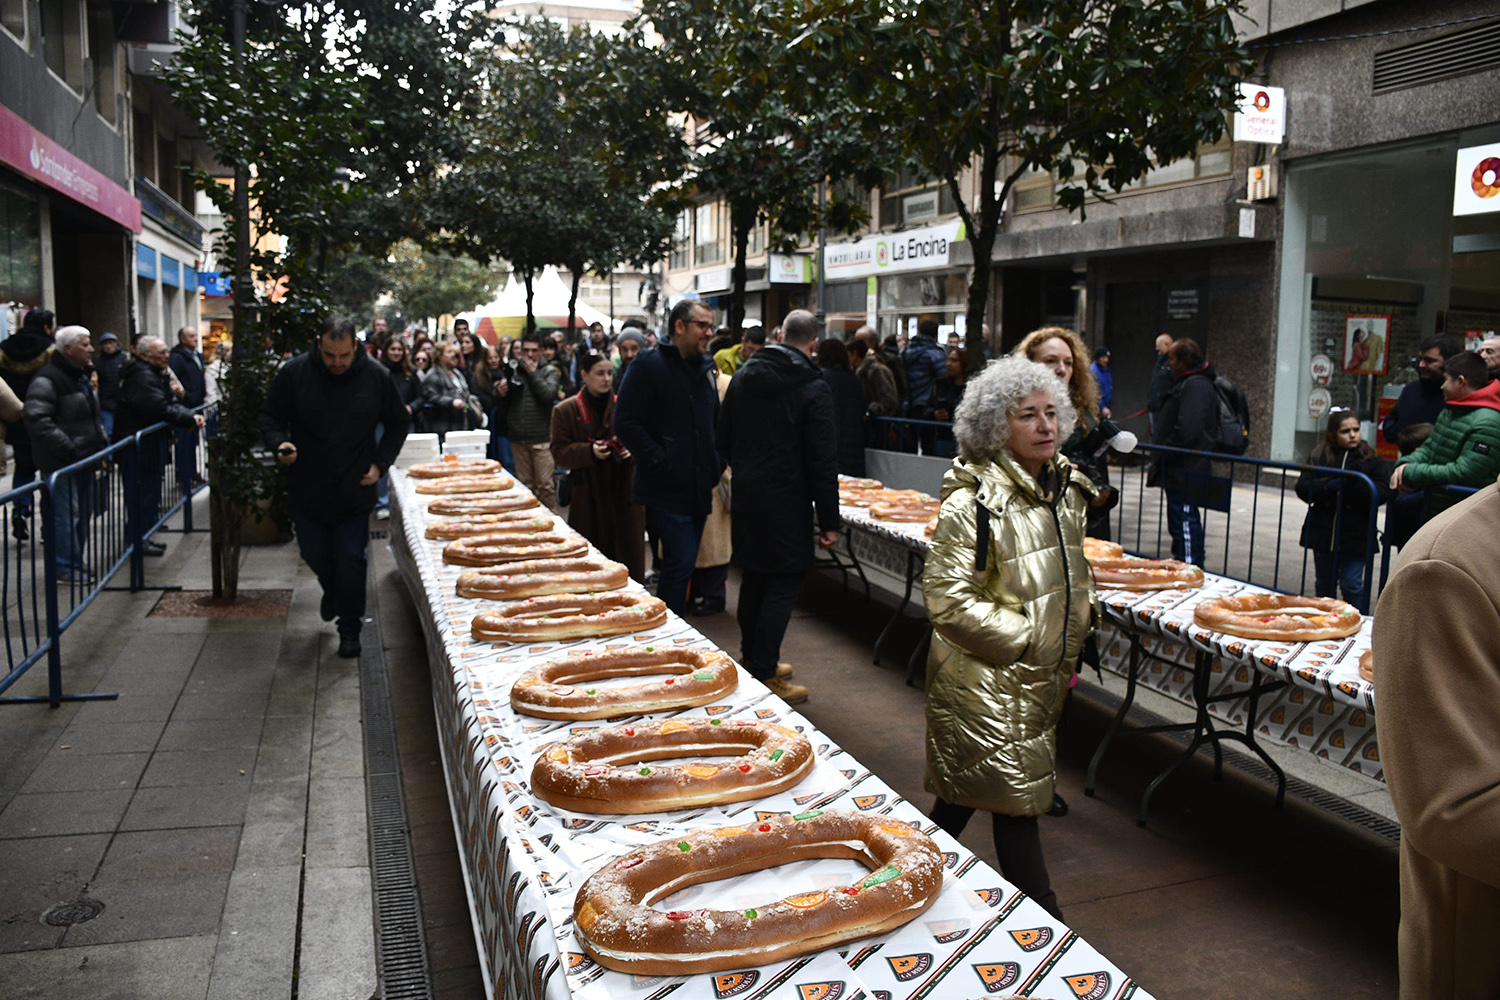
(465, 484)
(1279, 616)
(484, 524)
(570, 616)
(586, 773)
(443, 469)
(486, 503)
(501, 547)
(560, 688)
(908, 511)
(534, 577)
(1145, 574)
(620, 929)
(1098, 548)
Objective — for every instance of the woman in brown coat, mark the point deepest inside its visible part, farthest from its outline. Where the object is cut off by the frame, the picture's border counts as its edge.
(584, 442)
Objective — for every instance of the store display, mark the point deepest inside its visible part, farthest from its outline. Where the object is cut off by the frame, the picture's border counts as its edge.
(556, 690)
(620, 929)
(609, 771)
(452, 467)
(483, 524)
(516, 581)
(484, 503)
(569, 616)
(1129, 573)
(1279, 616)
(465, 484)
(502, 547)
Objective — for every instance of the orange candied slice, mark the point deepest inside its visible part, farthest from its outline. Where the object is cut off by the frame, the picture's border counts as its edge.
(896, 829)
(730, 831)
(672, 727)
(587, 916)
(559, 754)
(701, 770)
(806, 899)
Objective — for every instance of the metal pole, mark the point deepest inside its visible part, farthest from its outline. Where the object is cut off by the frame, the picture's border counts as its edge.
(241, 190)
(822, 246)
(611, 278)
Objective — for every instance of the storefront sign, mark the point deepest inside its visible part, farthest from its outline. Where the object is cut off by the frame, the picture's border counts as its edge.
(790, 269)
(711, 281)
(171, 271)
(1476, 181)
(916, 207)
(1318, 403)
(145, 262)
(214, 283)
(1322, 369)
(1182, 303)
(38, 158)
(1261, 115)
(887, 253)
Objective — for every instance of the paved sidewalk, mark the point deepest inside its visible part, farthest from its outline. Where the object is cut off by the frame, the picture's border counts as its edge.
(217, 809)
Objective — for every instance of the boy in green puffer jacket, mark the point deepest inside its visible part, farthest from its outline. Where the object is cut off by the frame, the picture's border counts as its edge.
(1464, 449)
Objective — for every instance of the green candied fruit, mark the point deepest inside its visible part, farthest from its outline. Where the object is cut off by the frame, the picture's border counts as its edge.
(592, 691)
(751, 914)
(810, 814)
(715, 722)
(684, 846)
(644, 770)
(703, 677)
(650, 649)
(884, 875)
(776, 754)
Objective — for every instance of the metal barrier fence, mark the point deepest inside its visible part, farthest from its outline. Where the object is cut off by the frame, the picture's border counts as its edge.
(94, 518)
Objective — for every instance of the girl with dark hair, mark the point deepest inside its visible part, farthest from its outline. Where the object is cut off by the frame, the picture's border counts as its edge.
(1337, 527)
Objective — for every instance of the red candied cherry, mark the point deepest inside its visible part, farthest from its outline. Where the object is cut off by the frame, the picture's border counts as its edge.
(764, 828)
(745, 768)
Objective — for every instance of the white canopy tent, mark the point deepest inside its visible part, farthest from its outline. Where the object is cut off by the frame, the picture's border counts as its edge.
(506, 316)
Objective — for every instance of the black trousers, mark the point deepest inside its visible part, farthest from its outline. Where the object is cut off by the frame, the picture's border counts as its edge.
(766, 602)
(335, 552)
(1018, 845)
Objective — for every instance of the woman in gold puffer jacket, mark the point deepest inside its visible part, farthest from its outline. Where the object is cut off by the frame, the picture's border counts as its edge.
(1011, 601)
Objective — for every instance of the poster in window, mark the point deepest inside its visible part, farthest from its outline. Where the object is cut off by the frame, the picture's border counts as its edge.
(1366, 339)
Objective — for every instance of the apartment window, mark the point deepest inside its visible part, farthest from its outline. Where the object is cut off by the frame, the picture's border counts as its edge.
(13, 17)
(757, 243)
(102, 55)
(1208, 161)
(682, 241)
(912, 200)
(62, 40)
(708, 248)
(166, 176)
(1032, 190)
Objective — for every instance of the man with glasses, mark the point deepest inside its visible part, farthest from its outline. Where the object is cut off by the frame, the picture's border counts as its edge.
(665, 414)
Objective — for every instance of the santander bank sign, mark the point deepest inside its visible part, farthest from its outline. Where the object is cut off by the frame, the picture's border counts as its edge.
(35, 156)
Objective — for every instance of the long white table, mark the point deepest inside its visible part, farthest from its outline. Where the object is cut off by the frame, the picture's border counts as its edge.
(524, 859)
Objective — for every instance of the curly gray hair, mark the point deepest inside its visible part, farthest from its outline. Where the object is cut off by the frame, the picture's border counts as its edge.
(979, 425)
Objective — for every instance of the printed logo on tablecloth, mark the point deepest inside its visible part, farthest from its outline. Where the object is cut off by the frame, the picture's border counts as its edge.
(716, 709)
(583, 825)
(848, 774)
(577, 962)
(1090, 986)
(907, 967)
(765, 713)
(998, 976)
(989, 897)
(641, 982)
(820, 991)
(763, 815)
(580, 730)
(1336, 739)
(646, 827)
(1033, 938)
(869, 801)
(947, 931)
(732, 984)
(803, 800)
(950, 859)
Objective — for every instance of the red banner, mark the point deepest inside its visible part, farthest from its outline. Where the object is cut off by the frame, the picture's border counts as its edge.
(35, 156)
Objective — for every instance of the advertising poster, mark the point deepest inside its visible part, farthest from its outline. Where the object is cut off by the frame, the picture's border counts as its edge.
(1366, 337)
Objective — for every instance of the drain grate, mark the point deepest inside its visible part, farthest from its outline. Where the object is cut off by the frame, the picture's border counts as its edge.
(401, 944)
(1307, 792)
(79, 911)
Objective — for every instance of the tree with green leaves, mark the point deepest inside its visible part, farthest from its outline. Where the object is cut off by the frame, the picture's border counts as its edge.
(1097, 91)
(425, 283)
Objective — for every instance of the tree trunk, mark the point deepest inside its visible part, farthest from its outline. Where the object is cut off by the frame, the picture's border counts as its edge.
(526, 276)
(739, 229)
(573, 336)
(982, 245)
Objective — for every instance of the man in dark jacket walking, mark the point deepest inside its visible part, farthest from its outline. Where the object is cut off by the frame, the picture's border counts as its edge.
(108, 364)
(1189, 419)
(146, 398)
(665, 415)
(187, 364)
(924, 361)
(320, 418)
(1422, 400)
(776, 429)
(62, 419)
(1161, 382)
(21, 356)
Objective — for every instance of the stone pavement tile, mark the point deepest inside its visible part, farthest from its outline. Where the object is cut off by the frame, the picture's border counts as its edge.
(434, 838)
(257, 943)
(294, 685)
(162, 685)
(285, 748)
(173, 806)
(337, 827)
(231, 684)
(239, 652)
(65, 771)
(133, 707)
(82, 737)
(37, 874)
(174, 969)
(200, 767)
(338, 689)
(50, 814)
(338, 748)
(275, 824)
(338, 938)
(463, 983)
(451, 946)
(442, 883)
(427, 807)
(160, 853)
(221, 705)
(176, 905)
(210, 734)
(145, 653)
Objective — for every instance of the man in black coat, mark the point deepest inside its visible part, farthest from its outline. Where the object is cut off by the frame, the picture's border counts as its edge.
(1189, 419)
(665, 415)
(1161, 382)
(320, 418)
(777, 432)
(62, 419)
(187, 364)
(1422, 400)
(108, 364)
(21, 356)
(146, 398)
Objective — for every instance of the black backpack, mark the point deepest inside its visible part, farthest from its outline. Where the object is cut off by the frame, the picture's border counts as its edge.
(1233, 435)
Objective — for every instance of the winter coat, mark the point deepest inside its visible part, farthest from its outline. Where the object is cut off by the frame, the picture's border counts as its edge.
(880, 387)
(331, 420)
(601, 509)
(1437, 672)
(62, 415)
(1464, 449)
(1106, 382)
(1007, 637)
(440, 390)
(1189, 418)
(146, 398)
(925, 362)
(21, 357)
(665, 414)
(777, 432)
(1421, 402)
(849, 405)
(108, 368)
(729, 360)
(408, 387)
(187, 365)
(529, 403)
(1086, 450)
(1338, 509)
(1161, 384)
(946, 396)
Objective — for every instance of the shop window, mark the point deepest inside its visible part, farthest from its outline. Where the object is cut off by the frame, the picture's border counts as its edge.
(20, 249)
(62, 40)
(13, 17)
(682, 240)
(708, 247)
(102, 55)
(917, 206)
